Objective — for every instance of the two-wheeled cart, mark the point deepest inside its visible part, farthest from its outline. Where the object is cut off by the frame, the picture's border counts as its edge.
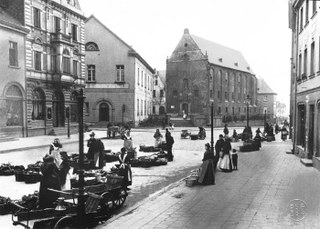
(100, 202)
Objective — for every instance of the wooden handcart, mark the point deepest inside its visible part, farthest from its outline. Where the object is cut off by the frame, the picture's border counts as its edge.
(100, 202)
(185, 134)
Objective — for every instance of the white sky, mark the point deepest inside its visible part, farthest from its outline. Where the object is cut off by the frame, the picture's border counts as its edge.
(257, 28)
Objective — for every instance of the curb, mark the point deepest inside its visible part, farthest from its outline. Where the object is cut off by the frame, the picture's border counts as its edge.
(146, 200)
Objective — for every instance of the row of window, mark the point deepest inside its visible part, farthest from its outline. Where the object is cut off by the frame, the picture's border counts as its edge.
(143, 107)
(154, 94)
(57, 24)
(143, 79)
(40, 62)
(303, 62)
(219, 111)
(304, 19)
(91, 70)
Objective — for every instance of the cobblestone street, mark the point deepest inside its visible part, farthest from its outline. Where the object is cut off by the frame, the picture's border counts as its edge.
(256, 196)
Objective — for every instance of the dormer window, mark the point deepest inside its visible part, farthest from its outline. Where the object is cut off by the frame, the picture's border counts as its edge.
(220, 59)
(236, 64)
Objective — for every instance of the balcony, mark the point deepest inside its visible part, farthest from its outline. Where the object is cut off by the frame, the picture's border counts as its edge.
(61, 38)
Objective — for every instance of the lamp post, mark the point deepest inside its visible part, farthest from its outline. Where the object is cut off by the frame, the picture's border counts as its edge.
(81, 199)
(212, 125)
(248, 100)
(68, 118)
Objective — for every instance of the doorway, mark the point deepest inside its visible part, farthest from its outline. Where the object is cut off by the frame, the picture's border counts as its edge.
(58, 109)
(104, 110)
(185, 108)
(311, 132)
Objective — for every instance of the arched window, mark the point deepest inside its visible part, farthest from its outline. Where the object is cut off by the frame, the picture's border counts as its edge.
(66, 61)
(91, 46)
(14, 106)
(38, 101)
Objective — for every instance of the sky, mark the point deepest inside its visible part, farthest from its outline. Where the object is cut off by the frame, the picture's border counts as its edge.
(256, 28)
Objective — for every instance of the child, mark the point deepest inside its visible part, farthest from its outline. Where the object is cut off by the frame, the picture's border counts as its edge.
(234, 157)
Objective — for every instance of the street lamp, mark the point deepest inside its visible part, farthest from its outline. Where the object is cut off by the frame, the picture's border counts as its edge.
(81, 197)
(68, 118)
(211, 125)
(248, 100)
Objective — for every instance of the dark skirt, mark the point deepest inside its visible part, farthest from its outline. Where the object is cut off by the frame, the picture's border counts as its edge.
(206, 176)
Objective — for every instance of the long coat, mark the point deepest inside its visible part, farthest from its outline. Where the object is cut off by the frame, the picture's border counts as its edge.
(207, 172)
(50, 179)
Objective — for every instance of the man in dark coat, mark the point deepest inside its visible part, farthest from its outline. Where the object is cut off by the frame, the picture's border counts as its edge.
(50, 179)
(218, 148)
(95, 151)
(169, 143)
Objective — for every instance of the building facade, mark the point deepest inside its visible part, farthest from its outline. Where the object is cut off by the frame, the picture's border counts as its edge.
(266, 101)
(54, 63)
(159, 96)
(13, 120)
(119, 82)
(305, 78)
(200, 72)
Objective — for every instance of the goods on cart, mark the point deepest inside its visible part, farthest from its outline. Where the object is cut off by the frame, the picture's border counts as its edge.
(5, 206)
(19, 172)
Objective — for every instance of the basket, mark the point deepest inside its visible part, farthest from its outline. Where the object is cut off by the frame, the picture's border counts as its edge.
(191, 181)
(193, 136)
(31, 178)
(114, 180)
(19, 175)
(6, 208)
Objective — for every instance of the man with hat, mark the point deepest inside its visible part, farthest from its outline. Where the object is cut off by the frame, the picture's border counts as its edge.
(95, 151)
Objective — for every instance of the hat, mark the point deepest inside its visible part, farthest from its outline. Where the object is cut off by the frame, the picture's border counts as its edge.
(208, 145)
(92, 134)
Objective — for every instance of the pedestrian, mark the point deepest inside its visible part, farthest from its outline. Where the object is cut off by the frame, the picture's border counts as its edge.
(50, 180)
(225, 164)
(234, 157)
(235, 136)
(54, 150)
(202, 133)
(167, 133)
(207, 171)
(65, 171)
(95, 151)
(226, 130)
(219, 150)
(157, 138)
(284, 133)
(258, 131)
(125, 168)
(169, 144)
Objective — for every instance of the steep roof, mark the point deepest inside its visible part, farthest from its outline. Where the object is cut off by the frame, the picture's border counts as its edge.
(162, 76)
(222, 55)
(131, 51)
(264, 88)
(7, 20)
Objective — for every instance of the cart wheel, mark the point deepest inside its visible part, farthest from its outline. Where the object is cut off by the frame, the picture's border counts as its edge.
(67, 222)
(107, 203)
(119, 198)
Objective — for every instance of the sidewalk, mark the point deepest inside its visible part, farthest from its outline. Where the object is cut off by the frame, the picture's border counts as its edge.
(256, 196)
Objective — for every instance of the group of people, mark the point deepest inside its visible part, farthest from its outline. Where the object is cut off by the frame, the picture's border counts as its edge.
(221, 157)
(56, 174)
(169, 141)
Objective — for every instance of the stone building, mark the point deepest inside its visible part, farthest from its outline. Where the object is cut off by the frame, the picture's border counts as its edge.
(200, 72)
(119, 82)
(159, 96)
(266, 100)
(305, 78)
(55, 64)
(13, 120)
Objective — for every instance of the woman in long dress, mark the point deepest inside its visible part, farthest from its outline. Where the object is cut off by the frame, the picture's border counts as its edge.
(54, 150)
(225, 163)
(207, 173)
(157, 138)
(125, 168)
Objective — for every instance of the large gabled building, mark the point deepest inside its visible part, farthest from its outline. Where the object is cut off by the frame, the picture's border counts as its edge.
(119, 82)
(200, 72)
